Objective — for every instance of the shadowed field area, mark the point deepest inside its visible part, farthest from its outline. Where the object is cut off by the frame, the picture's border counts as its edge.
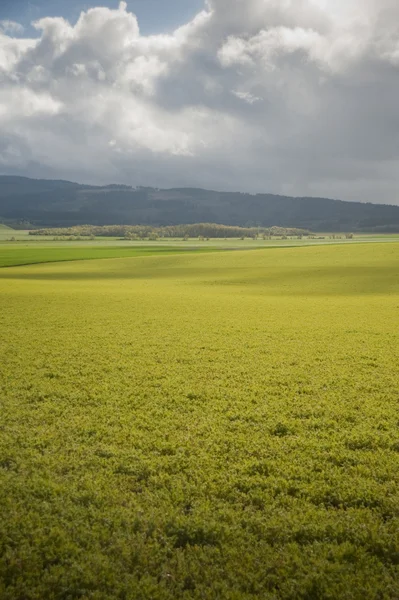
(219, 425)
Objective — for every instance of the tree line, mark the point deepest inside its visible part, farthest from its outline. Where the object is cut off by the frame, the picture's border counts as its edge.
(197, 230)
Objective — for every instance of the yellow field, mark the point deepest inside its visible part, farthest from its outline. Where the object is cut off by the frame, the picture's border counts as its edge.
(206, 426)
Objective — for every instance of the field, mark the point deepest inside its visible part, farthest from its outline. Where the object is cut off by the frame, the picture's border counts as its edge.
(35, 254)
(189, 425)
(27, 250)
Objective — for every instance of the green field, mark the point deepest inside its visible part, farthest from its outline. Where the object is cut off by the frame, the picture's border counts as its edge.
(11, 239)
(28, 255)
(220, 425)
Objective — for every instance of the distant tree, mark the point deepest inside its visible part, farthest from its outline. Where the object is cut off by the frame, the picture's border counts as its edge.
(143, 232)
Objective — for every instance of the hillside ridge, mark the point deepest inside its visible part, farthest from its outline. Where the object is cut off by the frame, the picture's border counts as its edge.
(59, 203)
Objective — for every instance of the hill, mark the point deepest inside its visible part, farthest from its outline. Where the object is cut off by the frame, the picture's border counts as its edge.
(64, 204)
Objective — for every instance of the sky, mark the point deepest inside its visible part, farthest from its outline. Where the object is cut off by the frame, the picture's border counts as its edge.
(296, 97)
(154, 16)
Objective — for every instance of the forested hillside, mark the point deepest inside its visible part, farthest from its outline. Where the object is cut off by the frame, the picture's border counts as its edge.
(42, 203)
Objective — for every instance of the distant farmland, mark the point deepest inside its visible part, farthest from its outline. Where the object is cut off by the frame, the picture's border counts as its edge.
(201, 425)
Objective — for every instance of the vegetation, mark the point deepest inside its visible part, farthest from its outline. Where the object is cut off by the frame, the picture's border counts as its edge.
(27, 203)
(197, 230)
(191, 426)
(10, 256)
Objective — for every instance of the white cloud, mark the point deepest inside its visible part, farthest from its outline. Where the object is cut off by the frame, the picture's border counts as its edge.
(246, 96)
(290, 96)
(11, 27)
(25, 104)
(11, 51)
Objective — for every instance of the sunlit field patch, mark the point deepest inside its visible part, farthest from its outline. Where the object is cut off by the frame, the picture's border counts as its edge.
(220, 425)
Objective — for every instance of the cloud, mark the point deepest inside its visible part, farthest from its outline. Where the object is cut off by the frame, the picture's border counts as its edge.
(246, 96)
(289, 96)
(11, 27)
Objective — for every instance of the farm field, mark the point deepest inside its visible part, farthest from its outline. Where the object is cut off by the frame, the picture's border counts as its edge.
(27, 255)
(26, 250)
(14, 238)
(218, 425)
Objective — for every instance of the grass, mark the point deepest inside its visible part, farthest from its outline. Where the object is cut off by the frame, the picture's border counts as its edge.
(191, 426)
(28, 255)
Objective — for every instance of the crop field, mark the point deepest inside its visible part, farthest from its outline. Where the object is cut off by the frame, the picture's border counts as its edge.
(34, 254)
(12, 239)
(219, 425)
